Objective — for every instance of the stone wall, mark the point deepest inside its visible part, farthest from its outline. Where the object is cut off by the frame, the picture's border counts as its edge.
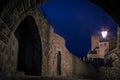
(10, 18)
(71, 66)
(112, 69)
(112, 60)
(52, 44)
(57, 44)
(10, 57)
(84, 70)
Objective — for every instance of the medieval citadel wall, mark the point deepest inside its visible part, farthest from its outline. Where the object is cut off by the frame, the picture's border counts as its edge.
(112, 69)
(71, 66)
(52, 43)
(57, 44)
(10, 18)
(83, 70)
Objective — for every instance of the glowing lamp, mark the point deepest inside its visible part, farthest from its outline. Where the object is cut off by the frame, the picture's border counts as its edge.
(104, 34)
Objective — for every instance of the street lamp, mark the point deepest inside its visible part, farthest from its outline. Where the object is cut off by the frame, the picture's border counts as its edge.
(104, 33)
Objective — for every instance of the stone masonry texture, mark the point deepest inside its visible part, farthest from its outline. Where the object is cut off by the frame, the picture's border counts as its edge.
(12, 14)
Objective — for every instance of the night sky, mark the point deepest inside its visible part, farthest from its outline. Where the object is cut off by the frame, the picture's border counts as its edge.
(76, 21)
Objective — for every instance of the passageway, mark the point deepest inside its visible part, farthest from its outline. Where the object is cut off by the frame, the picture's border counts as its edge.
(29, 49)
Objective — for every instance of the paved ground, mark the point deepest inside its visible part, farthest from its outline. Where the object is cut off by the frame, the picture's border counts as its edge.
(38, 78)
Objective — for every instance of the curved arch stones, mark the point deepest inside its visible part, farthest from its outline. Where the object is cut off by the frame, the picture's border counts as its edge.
(12, 15)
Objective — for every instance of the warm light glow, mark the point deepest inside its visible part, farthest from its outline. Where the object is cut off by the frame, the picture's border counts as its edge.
(104, 34)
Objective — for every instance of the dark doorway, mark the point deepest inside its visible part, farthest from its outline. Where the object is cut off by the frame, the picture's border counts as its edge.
(59, 63)
(29, 49)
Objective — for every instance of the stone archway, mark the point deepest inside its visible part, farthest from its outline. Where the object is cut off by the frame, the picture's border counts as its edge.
(29, 47)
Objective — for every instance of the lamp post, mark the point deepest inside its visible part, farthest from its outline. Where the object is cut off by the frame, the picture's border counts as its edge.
(104, 33)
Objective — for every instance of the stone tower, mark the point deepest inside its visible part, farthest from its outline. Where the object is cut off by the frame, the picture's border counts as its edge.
(95, 42)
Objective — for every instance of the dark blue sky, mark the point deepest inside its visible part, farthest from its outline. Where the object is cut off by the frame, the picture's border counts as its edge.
(76, 21)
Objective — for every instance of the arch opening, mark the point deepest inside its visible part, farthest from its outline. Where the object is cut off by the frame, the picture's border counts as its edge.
(29, 47)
